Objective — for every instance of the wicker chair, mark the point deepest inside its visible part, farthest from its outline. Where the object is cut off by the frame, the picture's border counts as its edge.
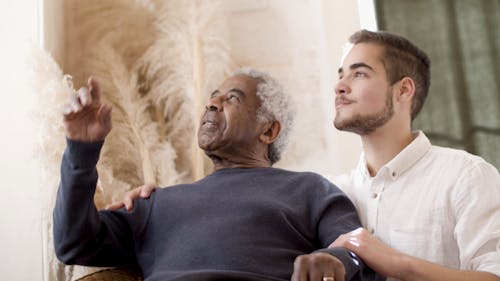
(114, 274)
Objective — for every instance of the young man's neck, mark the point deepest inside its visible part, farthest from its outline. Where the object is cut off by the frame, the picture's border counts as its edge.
(383, 145)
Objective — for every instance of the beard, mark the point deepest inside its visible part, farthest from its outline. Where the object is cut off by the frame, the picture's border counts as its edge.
(366, 124)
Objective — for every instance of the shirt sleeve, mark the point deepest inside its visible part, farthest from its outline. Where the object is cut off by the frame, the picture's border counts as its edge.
(82, 235)
(477, 212)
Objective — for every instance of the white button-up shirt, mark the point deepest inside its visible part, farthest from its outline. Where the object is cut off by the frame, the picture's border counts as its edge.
(438, 204)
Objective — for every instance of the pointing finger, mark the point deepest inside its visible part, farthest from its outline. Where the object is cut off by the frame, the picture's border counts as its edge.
(74, 103)
(95, 89)
(85, 97)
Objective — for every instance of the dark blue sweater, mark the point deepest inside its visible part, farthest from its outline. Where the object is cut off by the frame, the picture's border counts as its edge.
(238, 224)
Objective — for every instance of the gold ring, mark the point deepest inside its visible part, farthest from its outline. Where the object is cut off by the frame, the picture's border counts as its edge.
(328, 278)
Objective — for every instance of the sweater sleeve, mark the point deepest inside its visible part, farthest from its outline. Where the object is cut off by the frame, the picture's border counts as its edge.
(337, 215)
(82, 235)
(355, 269)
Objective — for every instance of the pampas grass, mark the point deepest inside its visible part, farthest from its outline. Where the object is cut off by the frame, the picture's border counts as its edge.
(46, 80)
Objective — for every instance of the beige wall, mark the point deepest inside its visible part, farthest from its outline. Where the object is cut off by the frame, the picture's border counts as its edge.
(300, 43)
(53, 22)
(347, 146)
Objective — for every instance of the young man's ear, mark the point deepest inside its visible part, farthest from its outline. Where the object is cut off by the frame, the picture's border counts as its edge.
(271, 132)
(406, 89)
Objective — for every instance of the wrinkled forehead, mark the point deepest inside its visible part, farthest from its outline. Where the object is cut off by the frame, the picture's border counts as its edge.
(242, 82)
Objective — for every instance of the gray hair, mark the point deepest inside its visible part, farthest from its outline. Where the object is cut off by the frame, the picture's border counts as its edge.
(274, 106)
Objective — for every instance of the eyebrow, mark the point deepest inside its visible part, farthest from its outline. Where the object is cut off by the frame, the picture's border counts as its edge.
(240, 92)
(355, 66)
(236, 90)
(213, 93)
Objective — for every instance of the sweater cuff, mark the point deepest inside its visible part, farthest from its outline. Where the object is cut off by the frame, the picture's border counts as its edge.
(83, 154)
(355, 269)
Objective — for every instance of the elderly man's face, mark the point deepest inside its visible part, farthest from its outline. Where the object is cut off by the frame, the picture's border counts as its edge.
(229, 123)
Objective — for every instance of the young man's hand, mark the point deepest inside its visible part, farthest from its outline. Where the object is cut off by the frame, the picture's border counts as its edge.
(143, 191)
(379, 256)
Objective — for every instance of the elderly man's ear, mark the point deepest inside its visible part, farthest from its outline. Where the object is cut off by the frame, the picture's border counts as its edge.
(271, 132)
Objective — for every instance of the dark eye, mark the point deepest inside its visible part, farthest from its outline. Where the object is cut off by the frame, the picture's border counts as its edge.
(234, 98)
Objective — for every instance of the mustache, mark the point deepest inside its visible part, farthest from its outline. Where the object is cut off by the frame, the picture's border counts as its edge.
(209, 117)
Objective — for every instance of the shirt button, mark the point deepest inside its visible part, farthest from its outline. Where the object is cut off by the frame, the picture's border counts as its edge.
(372, 230)
(393, 174)
(374, 195)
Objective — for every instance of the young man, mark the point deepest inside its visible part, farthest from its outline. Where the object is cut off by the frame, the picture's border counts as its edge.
(245, 221)
(437, 208)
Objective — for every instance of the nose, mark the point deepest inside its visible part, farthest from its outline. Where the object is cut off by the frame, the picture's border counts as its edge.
(213, 104)
(342, 88)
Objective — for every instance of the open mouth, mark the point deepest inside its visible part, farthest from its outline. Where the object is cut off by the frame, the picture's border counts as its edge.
(210, 120)
(209, 124)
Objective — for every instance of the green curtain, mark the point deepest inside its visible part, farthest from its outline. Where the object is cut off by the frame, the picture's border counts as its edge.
(462, 38)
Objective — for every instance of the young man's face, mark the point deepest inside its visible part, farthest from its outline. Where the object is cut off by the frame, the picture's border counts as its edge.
(229, 122)
(363, 98)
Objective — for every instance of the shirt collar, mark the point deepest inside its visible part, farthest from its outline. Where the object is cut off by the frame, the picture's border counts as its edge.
(362, 167)
(404, 160)
(409, 155)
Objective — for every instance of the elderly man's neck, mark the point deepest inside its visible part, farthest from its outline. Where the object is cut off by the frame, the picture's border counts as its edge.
(223, 162)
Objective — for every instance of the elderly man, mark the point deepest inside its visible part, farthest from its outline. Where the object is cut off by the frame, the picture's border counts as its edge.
(245, 221)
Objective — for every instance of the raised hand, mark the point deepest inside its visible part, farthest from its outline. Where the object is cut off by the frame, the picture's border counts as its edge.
(86, 118)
